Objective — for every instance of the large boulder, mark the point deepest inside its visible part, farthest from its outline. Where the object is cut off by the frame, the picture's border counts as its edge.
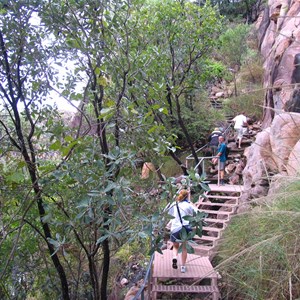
(293, 165)
(284, 134)
(275, 151)
(259, 162)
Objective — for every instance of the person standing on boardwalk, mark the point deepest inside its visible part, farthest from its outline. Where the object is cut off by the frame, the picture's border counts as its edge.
(213, 140)
(240, 122)
(178, 209)
(222, 156)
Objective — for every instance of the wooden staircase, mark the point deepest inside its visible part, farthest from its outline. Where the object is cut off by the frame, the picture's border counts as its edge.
(220, 203)
(201, 278)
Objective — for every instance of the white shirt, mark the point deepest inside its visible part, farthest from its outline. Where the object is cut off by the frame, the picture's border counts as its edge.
(239, 121)
(185, 208)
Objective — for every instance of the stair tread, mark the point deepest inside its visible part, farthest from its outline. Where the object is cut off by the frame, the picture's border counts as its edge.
(209, 203)
(202, 247)
(215, 229)
(185, 288)
(222, 197)
(216, 212)
(211, 220)
(206, 238)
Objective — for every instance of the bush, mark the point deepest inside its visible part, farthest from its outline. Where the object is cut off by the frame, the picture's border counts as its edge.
(233, 45)
(259, 258)
(251, 103)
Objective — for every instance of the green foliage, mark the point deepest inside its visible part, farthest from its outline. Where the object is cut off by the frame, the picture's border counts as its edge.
(233, 45)
(199, 120)
(214, 71)
(250, 102)
(252, 70)
(238, 11)
(259, 257)
(71, 194)
(127, 251)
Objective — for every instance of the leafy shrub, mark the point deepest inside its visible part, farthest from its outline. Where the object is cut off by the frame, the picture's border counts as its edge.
(213, 70)
(259, 258)
(251, 103)
(233, 45)
(252, 70)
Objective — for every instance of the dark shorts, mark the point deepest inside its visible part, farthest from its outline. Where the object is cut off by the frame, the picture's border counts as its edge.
(214, 150)
(177, 234)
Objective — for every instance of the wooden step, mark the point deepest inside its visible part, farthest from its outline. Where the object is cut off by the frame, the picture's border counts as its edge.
(203, 250)
(227, 188)
(216, 212)
(227, 197)
(202, 247)
(206, 238)
(213, 229)
(209, 203)
(216, 221)
(184, 288)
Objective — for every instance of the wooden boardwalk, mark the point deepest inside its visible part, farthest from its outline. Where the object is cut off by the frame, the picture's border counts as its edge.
(197, 267)
(200, 276)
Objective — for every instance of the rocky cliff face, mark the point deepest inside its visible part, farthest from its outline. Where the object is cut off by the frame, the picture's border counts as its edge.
(279, 41)
(277, 147)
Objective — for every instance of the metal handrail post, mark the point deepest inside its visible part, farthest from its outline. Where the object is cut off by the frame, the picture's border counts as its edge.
(218, 172)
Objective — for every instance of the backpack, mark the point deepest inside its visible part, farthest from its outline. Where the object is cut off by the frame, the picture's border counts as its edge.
(227, 151)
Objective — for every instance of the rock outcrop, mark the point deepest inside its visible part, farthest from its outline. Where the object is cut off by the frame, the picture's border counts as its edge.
(276, 150)
(279, 41)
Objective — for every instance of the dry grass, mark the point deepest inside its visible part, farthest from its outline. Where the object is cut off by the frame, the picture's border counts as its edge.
(260, 255)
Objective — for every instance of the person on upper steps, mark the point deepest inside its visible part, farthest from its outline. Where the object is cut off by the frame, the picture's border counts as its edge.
(221, 155)
(213, 140)
(240, 123)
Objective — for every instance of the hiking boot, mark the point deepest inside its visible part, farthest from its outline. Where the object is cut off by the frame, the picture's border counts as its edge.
(174, 263)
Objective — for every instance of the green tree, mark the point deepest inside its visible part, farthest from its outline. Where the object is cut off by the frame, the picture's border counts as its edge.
(72, 187)
(233, 45)
(24, 76)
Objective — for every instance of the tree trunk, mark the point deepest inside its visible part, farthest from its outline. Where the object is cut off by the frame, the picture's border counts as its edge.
(94, 277)
(186, 134)
(182, 166)
(105, 270)
(37, 190)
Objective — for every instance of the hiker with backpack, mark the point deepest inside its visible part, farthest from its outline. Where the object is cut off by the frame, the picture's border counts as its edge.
(222, 156)
(213, 140)
(178, 210)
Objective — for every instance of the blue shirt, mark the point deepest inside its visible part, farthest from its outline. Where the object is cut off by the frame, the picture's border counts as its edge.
(222, 149)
